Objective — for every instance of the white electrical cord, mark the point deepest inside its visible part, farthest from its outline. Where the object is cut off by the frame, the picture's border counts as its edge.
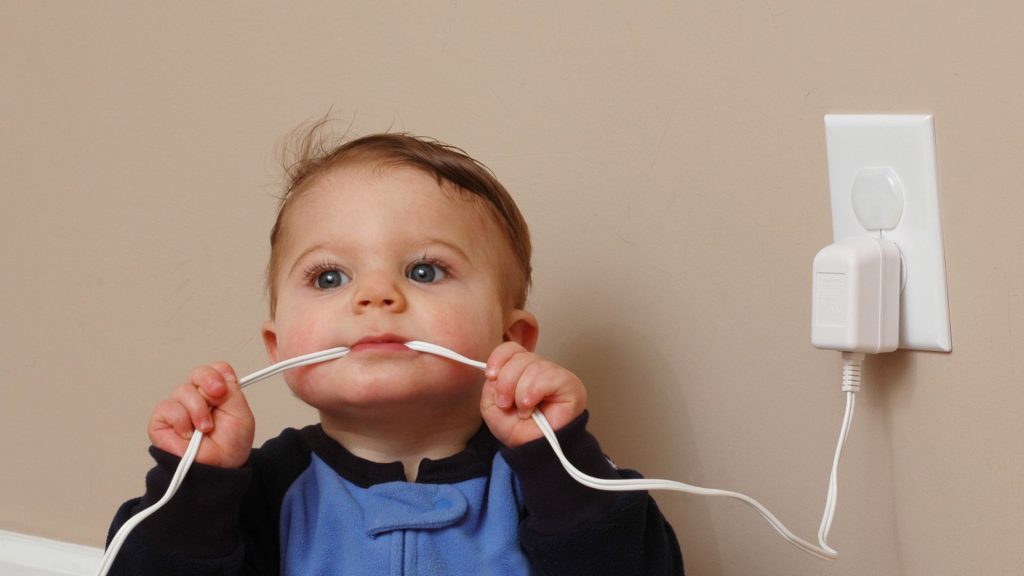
(851, 384)
(193, 448)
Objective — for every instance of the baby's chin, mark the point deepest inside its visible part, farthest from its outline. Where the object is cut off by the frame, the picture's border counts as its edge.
(382, 391)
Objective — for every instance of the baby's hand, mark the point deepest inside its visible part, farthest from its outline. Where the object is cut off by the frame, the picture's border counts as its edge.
(517, 382)
(211, 402)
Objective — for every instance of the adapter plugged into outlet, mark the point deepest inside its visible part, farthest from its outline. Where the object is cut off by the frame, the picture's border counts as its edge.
(856, 296)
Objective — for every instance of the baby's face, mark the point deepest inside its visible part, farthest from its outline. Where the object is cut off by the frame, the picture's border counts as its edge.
(372, 258)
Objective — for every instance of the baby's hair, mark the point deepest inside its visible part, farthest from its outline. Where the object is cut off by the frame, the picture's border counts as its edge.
(314, 154)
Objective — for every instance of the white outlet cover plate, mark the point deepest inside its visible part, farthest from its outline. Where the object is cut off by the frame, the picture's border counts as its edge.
(905, 143)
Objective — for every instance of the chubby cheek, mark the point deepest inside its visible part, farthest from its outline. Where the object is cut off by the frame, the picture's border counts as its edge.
(298, 382)
(475, 338)
(291, 343)
(298, 336)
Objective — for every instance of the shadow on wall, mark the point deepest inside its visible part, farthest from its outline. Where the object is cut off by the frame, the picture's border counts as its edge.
(639, 413)
(895, 379)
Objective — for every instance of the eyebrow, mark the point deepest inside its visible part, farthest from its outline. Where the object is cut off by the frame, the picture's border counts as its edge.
(452, 247)
(314, 248)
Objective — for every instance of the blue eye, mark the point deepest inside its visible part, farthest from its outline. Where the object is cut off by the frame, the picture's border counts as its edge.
(331, 279)
(425, 273)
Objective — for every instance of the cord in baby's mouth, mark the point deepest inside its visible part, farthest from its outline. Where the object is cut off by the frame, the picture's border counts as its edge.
(616, 485)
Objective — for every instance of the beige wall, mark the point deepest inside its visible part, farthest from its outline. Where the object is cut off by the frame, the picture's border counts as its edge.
(670, 157)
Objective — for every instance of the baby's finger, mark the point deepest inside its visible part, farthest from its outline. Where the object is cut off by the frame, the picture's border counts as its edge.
(211, 383)
(170, 427)
(500, 356)
(542, 382)
(208, 380)
(195, 404)
(557, 391)
(534, 385)
(227, 373)
(509, 378)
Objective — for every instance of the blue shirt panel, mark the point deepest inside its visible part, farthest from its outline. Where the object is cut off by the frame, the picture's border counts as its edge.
(330, 526)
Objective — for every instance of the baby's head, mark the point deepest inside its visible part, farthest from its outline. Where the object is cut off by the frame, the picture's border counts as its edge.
(386, 239)
(455, 171)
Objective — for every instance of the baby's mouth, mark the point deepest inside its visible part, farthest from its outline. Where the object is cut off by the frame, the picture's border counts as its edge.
(382, 343)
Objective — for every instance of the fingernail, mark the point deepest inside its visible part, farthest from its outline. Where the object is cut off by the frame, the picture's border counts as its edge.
(205, 424)
(503, 401)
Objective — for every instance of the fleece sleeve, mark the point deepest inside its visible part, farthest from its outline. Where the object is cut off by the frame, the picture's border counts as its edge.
(196, 532)
(569, 528)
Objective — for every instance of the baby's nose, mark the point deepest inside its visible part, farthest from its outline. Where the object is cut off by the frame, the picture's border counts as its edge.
(383, 302)
(379, 292)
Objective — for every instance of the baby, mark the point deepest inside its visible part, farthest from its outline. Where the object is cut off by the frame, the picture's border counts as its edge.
(419, 465)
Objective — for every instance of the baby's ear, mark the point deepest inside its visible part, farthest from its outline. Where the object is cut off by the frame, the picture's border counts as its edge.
(270, 340)
(521, 326)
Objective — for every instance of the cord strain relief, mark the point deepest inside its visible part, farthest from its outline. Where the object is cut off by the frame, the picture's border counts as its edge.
(852, 371)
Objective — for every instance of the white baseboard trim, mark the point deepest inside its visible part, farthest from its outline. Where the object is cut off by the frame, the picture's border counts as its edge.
(54, 556)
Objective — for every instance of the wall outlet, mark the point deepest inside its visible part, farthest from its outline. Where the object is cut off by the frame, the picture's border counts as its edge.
(889, 159)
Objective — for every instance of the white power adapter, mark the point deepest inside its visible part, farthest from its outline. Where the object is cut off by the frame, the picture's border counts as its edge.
(856, 296)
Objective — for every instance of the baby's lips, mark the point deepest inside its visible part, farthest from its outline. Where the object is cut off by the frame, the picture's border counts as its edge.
(383, 343)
